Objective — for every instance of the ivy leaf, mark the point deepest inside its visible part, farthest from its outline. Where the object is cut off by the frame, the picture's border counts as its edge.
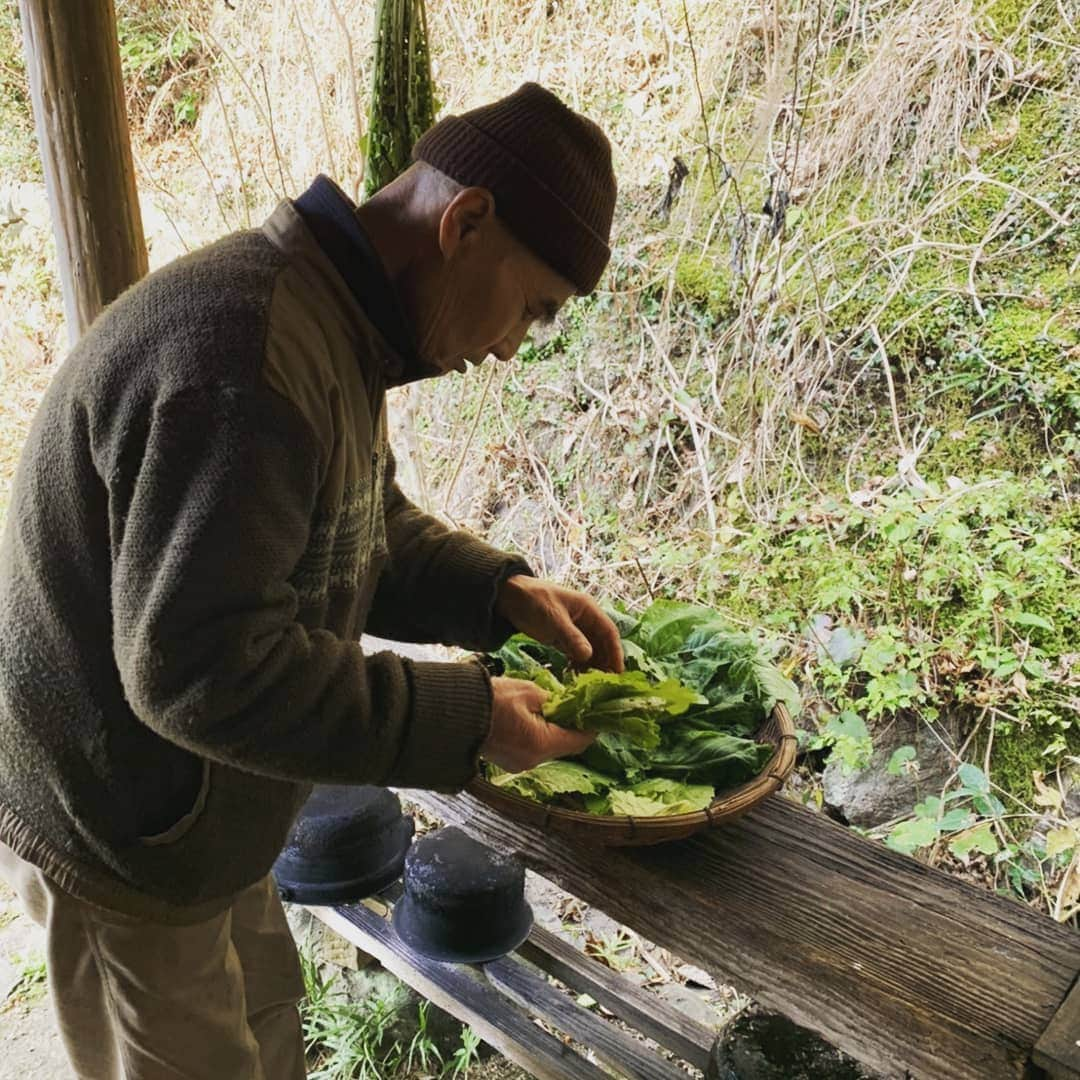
(1047, 796)
(844, 646)
(981, 839)
(901, 755)
(1061, 840)
(974, 779)
(909, 836)
(955, 820)
(988, 806)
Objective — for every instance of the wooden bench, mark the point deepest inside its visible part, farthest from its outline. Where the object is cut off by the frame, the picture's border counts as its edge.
(907, 969)
(502, 999)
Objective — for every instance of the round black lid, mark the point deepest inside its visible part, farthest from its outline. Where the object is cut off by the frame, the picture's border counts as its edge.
(346, 843)
(463, 902)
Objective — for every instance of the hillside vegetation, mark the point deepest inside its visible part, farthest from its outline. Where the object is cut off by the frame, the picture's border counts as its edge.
(829, 386)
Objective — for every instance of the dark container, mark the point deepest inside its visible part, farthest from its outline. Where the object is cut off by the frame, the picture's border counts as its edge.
(464, 903)
(347, 843)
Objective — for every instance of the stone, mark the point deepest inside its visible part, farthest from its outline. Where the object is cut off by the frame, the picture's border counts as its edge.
(692, 1003)
(872, 795)
(1071, 805)
(375, 983)
(762, 1045)
(362, 978)
(322, 943)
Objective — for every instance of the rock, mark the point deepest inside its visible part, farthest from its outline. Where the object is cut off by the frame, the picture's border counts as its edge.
(363, 979)
(377, 984)
(695, 976)
(1071, 805)
(760, 1045)
(691, 1002)
(317, 938)
(872, 795)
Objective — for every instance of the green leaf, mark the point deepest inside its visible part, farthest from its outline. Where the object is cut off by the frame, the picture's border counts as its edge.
(627, 704)
(955, 820)
(929, 808)
(701, 756)
(666, 625)
(1029, 618)
(522, 653)
(900, 756)
(1061, 840)
(660, 798)
(848, 725)
(988, 805)
(981, 839)
(909, 836)
(973, 778)
(551, 779)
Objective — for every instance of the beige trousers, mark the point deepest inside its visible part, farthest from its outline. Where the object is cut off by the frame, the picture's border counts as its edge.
(138, 1000)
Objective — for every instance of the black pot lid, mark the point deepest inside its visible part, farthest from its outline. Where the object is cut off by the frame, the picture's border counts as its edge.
(346, 844)
(463, 901)
(456, 945)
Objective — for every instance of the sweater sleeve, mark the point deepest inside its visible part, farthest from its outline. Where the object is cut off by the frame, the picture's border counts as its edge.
(205, 629)
(439, 584)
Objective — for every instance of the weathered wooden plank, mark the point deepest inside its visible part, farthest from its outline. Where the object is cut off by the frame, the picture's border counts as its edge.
(648, 1013)
(1058, 1050)
(905, 968)
(77, 90)
(461, 993)
(629, 1057)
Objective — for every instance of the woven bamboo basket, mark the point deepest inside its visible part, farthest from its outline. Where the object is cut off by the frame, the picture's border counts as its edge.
(626, 831)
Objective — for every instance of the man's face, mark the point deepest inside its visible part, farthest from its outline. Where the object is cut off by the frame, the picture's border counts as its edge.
(489, 291)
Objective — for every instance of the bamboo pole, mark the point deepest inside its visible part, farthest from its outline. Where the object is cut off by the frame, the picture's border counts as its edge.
(76, 86)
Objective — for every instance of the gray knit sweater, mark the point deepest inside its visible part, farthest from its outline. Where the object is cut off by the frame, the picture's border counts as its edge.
(204, 520)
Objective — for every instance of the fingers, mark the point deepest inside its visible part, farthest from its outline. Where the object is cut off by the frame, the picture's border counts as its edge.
(605, 644)
(519, 737)
(542, 742)
(576, 646)
(562, 742)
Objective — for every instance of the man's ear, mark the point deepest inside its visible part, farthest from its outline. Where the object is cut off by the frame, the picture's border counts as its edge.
(464, 214)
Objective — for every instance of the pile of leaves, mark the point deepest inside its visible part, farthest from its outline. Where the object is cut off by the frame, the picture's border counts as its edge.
(674, 728)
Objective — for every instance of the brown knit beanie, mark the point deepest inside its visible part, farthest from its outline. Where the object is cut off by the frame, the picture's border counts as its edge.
(550, 172)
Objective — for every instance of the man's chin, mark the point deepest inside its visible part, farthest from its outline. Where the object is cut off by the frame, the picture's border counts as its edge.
(461, 365)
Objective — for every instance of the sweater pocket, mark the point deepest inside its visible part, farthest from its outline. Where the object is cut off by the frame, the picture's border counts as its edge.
(186, 821)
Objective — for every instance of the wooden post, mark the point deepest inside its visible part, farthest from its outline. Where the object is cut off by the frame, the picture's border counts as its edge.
(76, 85)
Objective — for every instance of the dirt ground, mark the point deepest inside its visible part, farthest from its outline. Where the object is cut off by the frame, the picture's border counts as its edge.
(30, 1047)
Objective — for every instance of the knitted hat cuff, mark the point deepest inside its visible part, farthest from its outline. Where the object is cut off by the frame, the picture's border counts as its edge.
(560, 226)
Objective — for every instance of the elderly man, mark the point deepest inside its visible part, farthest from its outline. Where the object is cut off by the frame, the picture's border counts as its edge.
(204, 521)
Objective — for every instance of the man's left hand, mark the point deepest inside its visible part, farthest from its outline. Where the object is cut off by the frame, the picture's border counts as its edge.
(571, 621)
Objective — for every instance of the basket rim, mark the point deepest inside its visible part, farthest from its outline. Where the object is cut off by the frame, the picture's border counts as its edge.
(772, 776)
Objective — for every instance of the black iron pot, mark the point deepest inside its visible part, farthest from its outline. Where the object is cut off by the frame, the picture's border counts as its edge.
(464, 903)
(347, 843)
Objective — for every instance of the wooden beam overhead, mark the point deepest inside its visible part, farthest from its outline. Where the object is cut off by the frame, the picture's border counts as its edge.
(77, 90)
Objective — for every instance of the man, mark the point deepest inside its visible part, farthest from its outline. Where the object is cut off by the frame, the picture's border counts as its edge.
(205, 519)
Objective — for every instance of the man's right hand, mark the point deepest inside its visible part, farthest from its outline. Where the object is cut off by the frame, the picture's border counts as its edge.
(520, 738)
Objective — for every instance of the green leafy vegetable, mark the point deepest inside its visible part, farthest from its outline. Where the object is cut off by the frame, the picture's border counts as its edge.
(700, 756)
(660, 797)
(550, 779)
(674, 727)
(627, 704)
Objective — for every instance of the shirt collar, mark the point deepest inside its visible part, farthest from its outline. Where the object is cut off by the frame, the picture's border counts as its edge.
(330, 215)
